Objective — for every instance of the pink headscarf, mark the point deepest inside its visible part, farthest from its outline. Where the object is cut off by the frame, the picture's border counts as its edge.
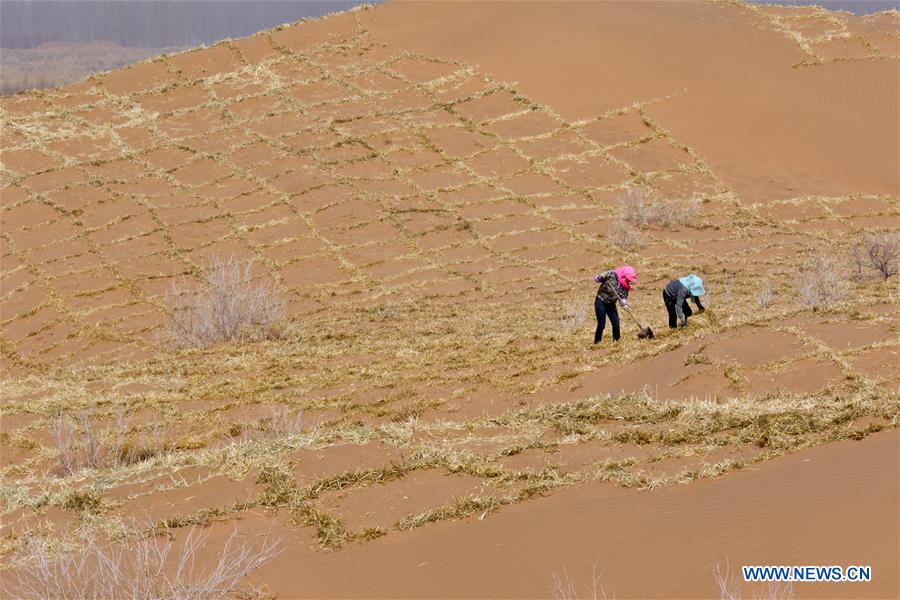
(626, 275)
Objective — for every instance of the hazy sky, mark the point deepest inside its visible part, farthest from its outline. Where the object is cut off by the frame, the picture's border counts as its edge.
(150, 23)
(860, 7)
(161, 23)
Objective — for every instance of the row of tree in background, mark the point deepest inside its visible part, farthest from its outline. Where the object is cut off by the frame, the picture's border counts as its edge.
(149, 23)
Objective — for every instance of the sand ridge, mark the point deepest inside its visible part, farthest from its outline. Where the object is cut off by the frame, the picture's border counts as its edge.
(753, 107)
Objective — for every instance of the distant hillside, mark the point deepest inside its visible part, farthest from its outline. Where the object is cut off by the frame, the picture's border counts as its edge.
(859, 7)
(157, 24)
(58, 63)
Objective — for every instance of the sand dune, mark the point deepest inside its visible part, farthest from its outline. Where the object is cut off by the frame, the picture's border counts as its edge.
(739, 98)
(831, 505)
(431, 188)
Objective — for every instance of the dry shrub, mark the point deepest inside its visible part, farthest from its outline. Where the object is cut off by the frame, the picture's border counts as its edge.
(564, 588)
(730, 587)
(386, 313)
(675, 213)
(641, 212)
(148, 569)
(280, 424)
(636, 208)
(80, 446)
(765, 297)
(879, 253)
(573, 317)
(624, 235)
(822, 281)
(229, 305)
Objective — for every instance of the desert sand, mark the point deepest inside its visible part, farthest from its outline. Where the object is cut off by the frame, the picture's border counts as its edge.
(832, 504)
(431, 187)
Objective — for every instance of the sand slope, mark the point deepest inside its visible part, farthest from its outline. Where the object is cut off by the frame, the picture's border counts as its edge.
(434, 232)
(831, 505)
(740, 100)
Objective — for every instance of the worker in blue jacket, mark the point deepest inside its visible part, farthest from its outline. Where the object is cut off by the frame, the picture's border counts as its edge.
(676, 294)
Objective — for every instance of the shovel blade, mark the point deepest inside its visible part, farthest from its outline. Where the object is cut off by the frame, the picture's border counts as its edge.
(646, 334)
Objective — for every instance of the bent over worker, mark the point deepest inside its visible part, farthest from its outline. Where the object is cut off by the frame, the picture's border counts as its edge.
(614, 287)
(676, 294)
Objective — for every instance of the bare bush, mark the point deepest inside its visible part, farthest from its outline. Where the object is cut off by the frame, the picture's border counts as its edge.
(636, 208)
(624, 235)
(229, 305)
(641, 212)
(573, 317)
(386, 313)
(280, 424)
(730, 587)
(80, 445)
(765, 297)
(822, 281)
(879, 253)
(76, 448)
(149, 569)
(562, 587)
(675, 213)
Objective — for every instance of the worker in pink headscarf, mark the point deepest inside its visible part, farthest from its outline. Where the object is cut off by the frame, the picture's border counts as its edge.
(614, 287)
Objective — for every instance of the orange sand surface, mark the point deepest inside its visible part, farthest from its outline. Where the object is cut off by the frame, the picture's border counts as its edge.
(830, 505)
(764, 94)
(431, 187)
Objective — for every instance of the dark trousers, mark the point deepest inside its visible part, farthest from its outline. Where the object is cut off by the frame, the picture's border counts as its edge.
(673, 316)
(603, 310)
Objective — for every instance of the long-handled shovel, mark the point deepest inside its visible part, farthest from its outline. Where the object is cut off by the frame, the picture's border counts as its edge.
(644, 332)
